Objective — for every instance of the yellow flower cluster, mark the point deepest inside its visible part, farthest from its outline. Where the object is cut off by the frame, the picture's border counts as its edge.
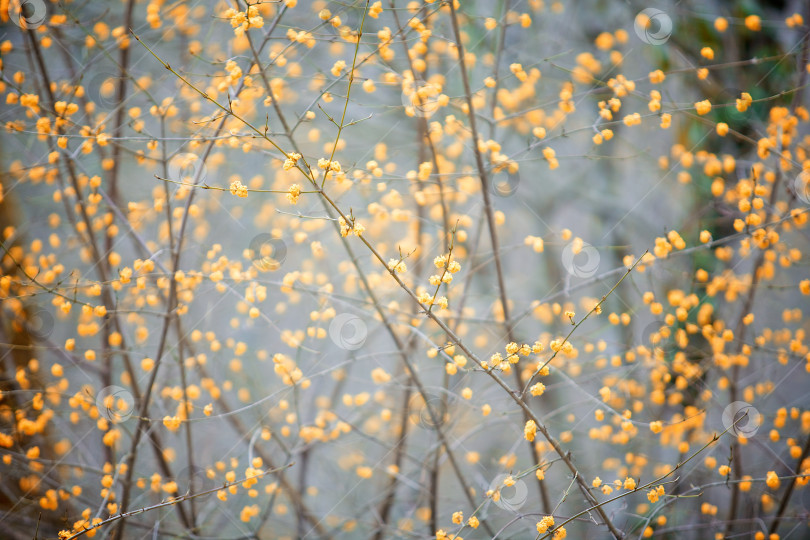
(234, 73)
(544, 524)
(294, 194)
(513, 354)
(772, 480)
(621, 86)
(397, 265)
(517, 70)
(329, 167)
(291, 161)
(286, 368)
(242, 20)
(551, 157)
(530, 430)
(744, 101)
(537, 389)
(172, 422)
(429, 300)
(654, 494)
(356, 228)
(375, 9)
(703, 107)
(238, 189)
(338, 67)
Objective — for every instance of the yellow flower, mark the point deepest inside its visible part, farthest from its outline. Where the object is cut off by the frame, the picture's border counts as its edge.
(294, 194)
(530, 430)
(172, 422)
(338, 67)
(629, 483)
(290, 162)
(544, 524)
(397, 266)
(744, 101)
(238, 189)
(537, 389)
(355, 228)
(753, 23)
(632, 119)
(657, 76)
(375, 9)
(703, 107)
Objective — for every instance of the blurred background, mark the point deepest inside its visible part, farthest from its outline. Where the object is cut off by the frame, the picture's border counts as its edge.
(180, 310)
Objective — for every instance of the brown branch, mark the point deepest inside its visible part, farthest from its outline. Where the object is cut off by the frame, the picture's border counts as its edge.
(493, 233)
